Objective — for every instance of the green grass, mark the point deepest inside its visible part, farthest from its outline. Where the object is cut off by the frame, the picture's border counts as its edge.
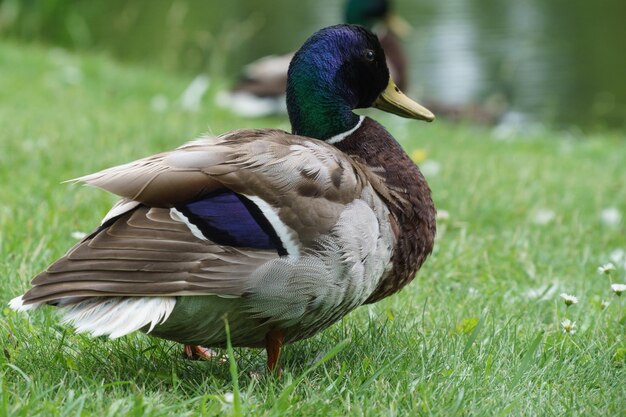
(477, 332)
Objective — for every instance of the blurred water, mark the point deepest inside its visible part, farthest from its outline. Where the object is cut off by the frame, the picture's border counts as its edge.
(561, 62)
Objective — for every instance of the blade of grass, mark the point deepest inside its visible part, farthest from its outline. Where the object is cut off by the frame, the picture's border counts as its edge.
(527, 359)
(382, 369)
(474, 334)
(233, 372)
(282, 403)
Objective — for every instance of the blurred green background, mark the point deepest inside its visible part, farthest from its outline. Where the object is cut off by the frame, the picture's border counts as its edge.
(555, 62)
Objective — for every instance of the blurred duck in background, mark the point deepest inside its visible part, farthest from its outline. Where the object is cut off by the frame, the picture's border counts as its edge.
(261, 90)
(390, 28)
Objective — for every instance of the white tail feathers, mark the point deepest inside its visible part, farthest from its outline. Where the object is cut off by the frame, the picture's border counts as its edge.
(17, 304)
(118, 316)
(111, 316)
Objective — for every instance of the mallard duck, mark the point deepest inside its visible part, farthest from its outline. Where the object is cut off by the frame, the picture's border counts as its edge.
(280, 234)
(261, 91)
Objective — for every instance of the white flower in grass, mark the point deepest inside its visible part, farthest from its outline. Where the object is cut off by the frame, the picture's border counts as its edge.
(618, 289)
(611, 216)
(569, 299)
(78, 235)
(543, 216)
(606, 268)
(443, 215)
(604, 304)
(229, 397)
(569, 326)
(430, 168)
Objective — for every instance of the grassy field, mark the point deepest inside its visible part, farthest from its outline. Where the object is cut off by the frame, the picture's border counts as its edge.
(477, 333)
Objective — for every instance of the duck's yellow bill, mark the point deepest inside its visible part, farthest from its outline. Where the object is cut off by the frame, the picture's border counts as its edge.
(392, 100)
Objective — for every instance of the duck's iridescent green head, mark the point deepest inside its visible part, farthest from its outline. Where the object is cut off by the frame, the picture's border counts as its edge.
(338, 69)
(366, 12)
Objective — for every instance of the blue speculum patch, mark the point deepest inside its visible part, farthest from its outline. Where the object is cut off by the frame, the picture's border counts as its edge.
(230, 219)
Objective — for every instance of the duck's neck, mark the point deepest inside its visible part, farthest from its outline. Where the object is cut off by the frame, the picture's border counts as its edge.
(319, 114)
(409, 200)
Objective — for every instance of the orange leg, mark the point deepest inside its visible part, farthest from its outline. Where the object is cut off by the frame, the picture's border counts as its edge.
(199, 352)
(273, 342)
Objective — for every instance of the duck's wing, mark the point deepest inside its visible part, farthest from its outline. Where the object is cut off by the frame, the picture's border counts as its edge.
(202, 218)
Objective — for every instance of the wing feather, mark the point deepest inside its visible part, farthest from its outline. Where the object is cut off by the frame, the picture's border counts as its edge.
(157, 258)
(141, 249)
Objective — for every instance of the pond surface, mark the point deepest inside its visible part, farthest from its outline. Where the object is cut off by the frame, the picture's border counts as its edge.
(560, 62)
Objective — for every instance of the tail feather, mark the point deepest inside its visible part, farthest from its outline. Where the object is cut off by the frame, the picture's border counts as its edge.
(17, 304)
(110, 316)
(118, 316)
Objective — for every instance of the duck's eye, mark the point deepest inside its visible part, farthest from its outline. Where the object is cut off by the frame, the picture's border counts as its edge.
(369, 55)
